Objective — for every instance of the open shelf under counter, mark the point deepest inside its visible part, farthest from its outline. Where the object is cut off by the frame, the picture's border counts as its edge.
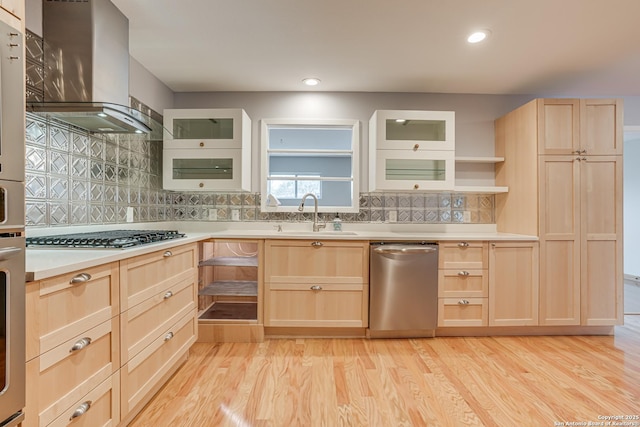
(251, 261)
(230, 288)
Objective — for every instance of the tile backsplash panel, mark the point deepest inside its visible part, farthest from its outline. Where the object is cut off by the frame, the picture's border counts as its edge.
(77, 178)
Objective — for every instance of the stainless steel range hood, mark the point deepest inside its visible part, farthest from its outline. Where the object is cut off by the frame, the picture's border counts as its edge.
(86, 68)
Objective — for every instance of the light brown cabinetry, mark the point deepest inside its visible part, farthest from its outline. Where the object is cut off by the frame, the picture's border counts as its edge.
(102, 341)
(158, 320)
(463, 284)
(73, 346)
(316, 283)
(563, 164)
(513, 284)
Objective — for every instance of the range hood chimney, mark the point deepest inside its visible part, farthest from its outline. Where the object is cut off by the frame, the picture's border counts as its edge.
(86, 68)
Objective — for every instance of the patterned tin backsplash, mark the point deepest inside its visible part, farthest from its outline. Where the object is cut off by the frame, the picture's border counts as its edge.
(73, 177)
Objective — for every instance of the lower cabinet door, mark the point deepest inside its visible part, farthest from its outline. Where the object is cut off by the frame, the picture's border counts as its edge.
(463, 312)
(60, 377)
(100, 407)
(141, 375)
(313, 305)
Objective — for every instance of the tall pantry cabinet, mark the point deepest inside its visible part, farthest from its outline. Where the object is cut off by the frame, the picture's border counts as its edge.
(563, 164)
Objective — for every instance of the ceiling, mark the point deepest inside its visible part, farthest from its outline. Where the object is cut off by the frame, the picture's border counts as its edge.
(544, 47)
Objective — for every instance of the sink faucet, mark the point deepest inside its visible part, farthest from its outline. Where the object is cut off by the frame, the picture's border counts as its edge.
(316, 226)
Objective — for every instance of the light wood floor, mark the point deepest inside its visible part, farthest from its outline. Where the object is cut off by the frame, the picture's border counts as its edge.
(494, 381)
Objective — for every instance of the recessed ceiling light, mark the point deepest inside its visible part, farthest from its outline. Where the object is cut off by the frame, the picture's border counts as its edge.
(102, 115)
(478, 36)
(311, 81)
(401, 120)
(138, 131)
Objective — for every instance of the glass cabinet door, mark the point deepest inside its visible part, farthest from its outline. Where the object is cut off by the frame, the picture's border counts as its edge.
(204, 170)
(206, 128)
(404, 170)
(413, 130)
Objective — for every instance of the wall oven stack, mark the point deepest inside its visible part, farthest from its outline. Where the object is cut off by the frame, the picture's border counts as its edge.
(12, 240)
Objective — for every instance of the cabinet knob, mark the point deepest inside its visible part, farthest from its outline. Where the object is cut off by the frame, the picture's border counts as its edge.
(167, 254)
(316, 288)
(202, 144)
(80, 344)
(463, 302)
(201, 185)
(168, 295)
(463, 245)
(80, 278)
(416, 186)
(463, 273)
(168, 336)
(316, 244)
(81, 410)
(415, 147)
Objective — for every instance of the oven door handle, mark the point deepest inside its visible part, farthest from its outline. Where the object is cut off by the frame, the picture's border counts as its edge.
(7, 253)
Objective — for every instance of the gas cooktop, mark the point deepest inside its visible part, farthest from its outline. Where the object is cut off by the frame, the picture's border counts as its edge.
(113, 239)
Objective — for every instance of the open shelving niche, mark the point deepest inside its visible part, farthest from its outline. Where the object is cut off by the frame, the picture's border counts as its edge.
(229, 288)
(475, 165)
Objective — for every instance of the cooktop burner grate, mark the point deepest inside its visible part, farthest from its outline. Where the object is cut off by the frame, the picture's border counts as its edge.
(113, 239)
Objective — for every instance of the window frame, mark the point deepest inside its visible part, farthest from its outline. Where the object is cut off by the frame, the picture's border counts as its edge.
(354, 125)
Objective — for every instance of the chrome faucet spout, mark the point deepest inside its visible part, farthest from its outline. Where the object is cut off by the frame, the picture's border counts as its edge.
(316, 226)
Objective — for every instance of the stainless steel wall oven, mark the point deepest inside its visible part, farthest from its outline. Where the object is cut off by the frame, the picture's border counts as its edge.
(12, 239)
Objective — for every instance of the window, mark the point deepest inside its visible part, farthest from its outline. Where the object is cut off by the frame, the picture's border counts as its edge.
(310, 156)
(294, 188)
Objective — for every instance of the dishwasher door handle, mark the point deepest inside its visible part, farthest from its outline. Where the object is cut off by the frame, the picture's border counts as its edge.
(405, 249)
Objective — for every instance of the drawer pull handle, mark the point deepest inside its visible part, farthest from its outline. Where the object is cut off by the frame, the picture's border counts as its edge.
(416, 187)
(168, 295)
(81, 410)
(463, 245)
(463, 302)
(316, 244)
(316, 288)
(463, 273)
(80, 344)
(415, 147)
(80, 278)
(168, 336)
(167, 254)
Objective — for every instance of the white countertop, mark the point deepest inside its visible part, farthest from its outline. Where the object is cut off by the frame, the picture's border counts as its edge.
(44, 263)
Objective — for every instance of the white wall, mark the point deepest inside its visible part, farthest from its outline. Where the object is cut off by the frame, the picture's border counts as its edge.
(147, 88)
(632, 202)
(475, 114)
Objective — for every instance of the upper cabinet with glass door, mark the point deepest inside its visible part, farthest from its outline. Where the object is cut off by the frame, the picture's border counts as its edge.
(206, 128)
(210, 150)
(412, 130)
(411, 150)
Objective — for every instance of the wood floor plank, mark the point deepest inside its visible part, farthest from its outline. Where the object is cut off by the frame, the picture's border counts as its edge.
(488, 381)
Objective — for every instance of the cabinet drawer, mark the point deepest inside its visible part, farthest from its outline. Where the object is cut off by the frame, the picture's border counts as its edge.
(145, 276)
(463, 255)
(61, 376)
(333, 305)
(462, 312)
(100, 407)
(143, 372)
(463, 283)
(144, 322)
(306, 261)
(62, 307)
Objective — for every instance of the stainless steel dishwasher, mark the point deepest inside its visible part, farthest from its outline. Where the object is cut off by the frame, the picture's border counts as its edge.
(403, 289)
